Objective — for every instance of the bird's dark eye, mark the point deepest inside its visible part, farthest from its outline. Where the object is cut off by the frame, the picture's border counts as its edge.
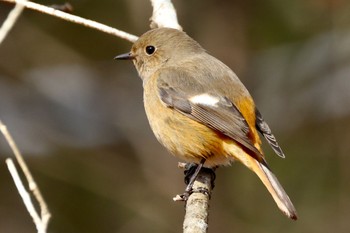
(150, 49)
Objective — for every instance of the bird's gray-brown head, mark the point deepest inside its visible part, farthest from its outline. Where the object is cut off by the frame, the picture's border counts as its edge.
(159, 47)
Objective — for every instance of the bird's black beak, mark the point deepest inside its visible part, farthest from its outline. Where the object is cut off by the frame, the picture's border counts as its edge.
(125, 56)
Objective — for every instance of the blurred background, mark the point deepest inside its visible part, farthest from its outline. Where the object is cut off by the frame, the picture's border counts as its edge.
(77, 115)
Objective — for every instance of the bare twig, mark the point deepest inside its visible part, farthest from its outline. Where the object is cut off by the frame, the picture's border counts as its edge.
(197, 205)
(26, 197)
(45, 213)
(164, 15)
(75, 19)
(10, 21)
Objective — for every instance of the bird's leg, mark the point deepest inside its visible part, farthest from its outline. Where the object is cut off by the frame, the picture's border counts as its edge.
(190, 178)
(192, 172)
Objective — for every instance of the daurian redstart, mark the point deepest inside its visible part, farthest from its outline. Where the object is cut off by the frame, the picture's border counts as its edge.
(199, 109)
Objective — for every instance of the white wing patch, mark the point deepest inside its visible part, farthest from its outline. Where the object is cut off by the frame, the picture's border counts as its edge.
(205, 99)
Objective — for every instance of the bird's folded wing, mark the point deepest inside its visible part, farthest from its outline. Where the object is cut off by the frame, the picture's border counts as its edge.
(190, 98)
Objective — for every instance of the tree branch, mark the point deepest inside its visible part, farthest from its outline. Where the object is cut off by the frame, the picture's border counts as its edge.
(164, 15)
(197, 205)
(75, 19)
(10, 21)
(41, 224)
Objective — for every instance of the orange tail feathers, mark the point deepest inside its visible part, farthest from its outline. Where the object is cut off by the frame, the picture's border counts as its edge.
(275, 188)
(268, 178)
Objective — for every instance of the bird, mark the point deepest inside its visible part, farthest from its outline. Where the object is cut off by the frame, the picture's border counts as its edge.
(200, 111)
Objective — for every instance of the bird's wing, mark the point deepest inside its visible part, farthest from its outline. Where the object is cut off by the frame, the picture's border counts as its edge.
(265, 130)
(188, 96)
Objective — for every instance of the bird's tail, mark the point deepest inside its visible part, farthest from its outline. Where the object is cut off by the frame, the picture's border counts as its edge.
(275, 188)
(270, 181)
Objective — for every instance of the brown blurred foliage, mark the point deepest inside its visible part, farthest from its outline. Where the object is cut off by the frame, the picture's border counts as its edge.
(77, 115)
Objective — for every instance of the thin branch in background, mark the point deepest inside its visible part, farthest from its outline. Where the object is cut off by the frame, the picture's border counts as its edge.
(10, 21)
(40, 226)
(75, 19)
(164, 15)
(45, 213)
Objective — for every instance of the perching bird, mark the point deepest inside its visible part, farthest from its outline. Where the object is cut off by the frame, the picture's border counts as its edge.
(199, 110)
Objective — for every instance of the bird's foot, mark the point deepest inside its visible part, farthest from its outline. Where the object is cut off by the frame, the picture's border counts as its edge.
(191, 173)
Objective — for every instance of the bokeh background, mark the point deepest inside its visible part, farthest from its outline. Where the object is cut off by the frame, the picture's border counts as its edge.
(77, 115)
